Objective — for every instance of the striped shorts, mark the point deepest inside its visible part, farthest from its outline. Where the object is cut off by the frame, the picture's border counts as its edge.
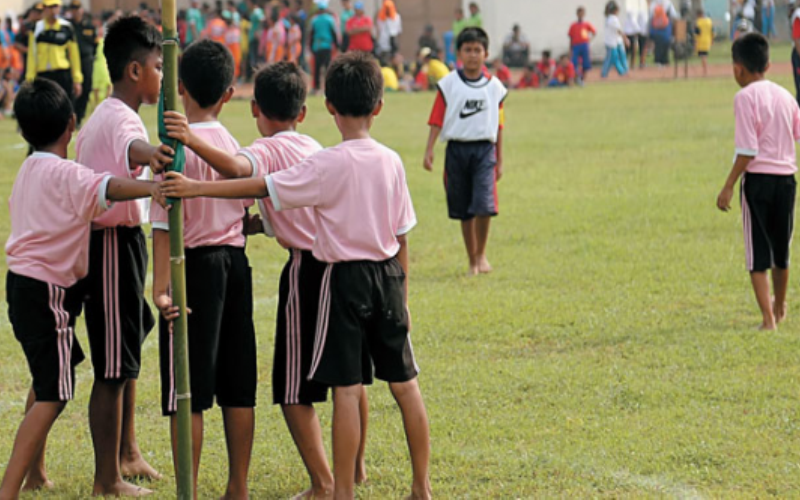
(768, 220)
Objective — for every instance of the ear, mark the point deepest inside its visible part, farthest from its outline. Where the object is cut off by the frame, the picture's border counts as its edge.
(254, 109)
(71, 126)
(330, 107)
(228, 95)
(769, 65)
(134, 70)
(378, 108)
(181, 88)
(302, 116)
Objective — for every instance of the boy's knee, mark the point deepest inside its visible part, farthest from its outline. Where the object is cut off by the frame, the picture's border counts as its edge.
(349, 391)
(404, 389)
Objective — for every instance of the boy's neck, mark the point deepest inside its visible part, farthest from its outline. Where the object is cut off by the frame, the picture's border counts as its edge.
(354, 128)
(273, 128)
(196, 114)
(58, 148)
(126, 92)
(473, 74)
(753, 78)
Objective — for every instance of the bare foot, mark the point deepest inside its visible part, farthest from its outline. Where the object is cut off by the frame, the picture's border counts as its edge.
(233, 496)
(779, 311)
(483, 266)
(305, 494)
(120, 489)
(361, 474)
(139, 468)
(767, 327)
(316, 495)
(37, 482)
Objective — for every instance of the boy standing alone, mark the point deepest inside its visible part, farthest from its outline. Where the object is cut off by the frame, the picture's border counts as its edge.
(580, 36)
(468, 115)
(767, 126)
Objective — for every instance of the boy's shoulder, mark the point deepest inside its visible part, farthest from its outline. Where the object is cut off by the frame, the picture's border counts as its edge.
(763, 88)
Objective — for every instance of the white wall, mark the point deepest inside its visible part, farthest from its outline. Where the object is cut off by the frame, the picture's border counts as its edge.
(544, 22)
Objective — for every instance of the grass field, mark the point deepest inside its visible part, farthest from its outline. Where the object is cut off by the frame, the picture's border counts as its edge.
(613, 352)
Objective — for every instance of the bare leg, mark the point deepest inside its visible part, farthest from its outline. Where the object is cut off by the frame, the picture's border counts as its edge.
(468, 233)
(761, 288)
(307, 434)
(482, 225)
(239, 428)
(37, 475)
(415, 421)
(780, 283)
(704, 60)
(346, 438)
(197, 445)
(105, 422)
(361, 466)
(132, 463)
(28, 444)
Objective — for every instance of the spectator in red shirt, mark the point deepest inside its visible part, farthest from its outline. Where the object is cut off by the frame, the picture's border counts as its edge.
(529, 79)
(546, 68)
(502, 72)
(565, 73)
(580, 36)
(359, 28)
(796, 49)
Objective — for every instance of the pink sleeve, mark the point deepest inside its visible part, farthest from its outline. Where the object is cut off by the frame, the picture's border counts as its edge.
(746, 134)
(260, 160)
(406, 217)
(158, 215)
(297, 187)
(796, 124)
(130, 131)
(87, 191)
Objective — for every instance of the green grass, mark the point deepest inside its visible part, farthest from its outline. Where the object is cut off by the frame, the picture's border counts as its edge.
(613, 353)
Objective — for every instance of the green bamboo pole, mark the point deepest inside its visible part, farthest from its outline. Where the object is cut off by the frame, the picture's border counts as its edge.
(185, 480)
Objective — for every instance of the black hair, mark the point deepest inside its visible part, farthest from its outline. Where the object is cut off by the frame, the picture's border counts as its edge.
(752, 52)
(280, 91)
(129, 39)
(611, 7)
(546, 53)
(206, 71)
(43, 112)
(354, 84)
(471, 35)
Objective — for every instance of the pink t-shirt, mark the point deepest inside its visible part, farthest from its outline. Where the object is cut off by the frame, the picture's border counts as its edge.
(292, 228)
(207, 221)
(103, 145)
(767, 127)
(52, 205)
(360, 197)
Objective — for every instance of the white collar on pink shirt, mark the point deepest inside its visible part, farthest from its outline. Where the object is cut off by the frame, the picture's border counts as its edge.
(44, 154)
(205, 125)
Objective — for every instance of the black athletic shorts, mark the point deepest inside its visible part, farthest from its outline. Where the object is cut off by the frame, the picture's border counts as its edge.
(118, 318)
(222, 339)
(362, 323)
(296, 328)
(470, 179)
(768, 220)
(43, 318)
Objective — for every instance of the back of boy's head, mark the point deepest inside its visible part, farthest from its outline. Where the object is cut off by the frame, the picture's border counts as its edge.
(206, 71)
(471, 35)
(354, 84)
(129, 39)
(546, 54)
(752, 52)
(280, 91)
(43, 112)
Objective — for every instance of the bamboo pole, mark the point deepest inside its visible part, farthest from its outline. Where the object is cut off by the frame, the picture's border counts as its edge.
(185, 479)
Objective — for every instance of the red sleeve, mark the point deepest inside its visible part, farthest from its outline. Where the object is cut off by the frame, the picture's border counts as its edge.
(591, 28)
(502, 117)
(439, 109)
(796, 29)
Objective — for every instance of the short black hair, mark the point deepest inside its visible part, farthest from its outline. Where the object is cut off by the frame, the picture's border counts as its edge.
(354, 84)
(43, 110)
(280, 91)
(472, 34)
(129, 39)
(206, 71)
(752, 52)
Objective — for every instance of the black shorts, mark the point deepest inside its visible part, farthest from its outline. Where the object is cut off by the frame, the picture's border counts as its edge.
(768, 220)
(43, 318)
(470, 179)
(296, 328)
(118, 318)
(362, 323)
(702, 53)
(222, 339)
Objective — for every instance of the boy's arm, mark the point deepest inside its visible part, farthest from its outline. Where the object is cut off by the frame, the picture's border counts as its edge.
(402, 257)
(429, 156)
(178, 186)
(499, 148)
(726, 195)
(436, 122)
(226, 164)
(121, 189)
(161, 276)
(156, 157)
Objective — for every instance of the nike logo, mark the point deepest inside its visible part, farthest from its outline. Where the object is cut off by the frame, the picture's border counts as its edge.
(472, 108)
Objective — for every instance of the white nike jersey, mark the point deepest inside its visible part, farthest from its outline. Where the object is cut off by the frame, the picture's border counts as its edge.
(473, 108)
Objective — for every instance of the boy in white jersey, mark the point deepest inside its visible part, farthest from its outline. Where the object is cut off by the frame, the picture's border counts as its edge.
(52, 205)
(279, 107)
(222, 340)
(362, 211)
(767, 127)
(468, 115)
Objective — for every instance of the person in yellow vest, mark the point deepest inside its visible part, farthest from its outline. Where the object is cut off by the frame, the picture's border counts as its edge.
(53, 51)
(704, 37)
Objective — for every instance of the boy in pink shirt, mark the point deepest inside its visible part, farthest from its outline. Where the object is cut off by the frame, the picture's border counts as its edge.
(767, 127)
(362, 211)
(222, 339)
(279, 106)
(52, 205)
(118, 318)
